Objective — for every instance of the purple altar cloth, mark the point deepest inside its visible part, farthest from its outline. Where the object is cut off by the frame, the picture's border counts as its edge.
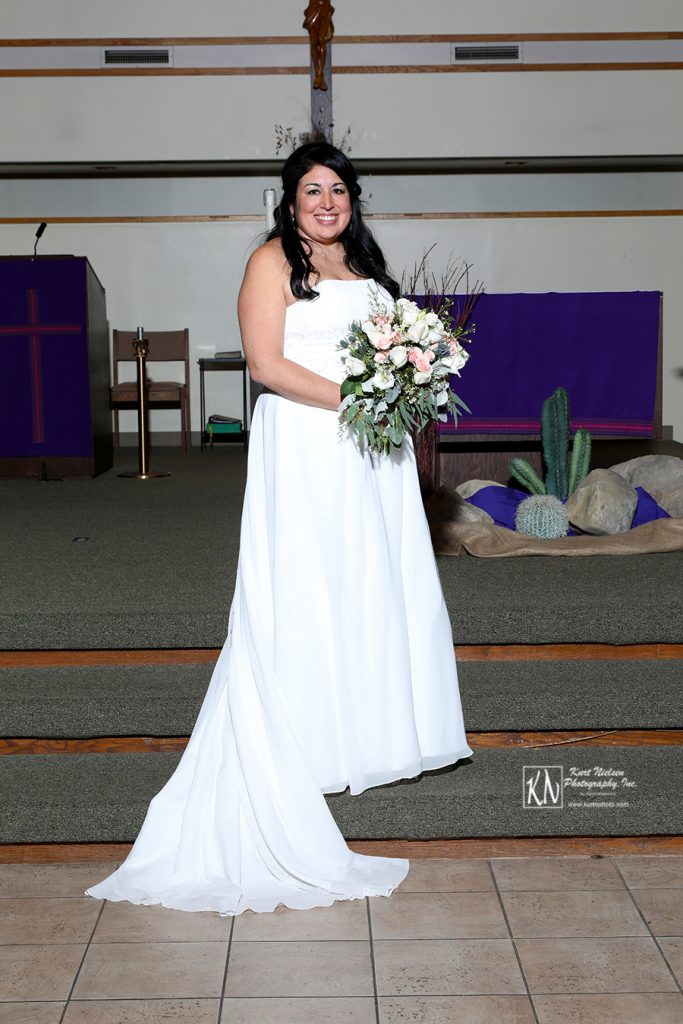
(600, 346)
(44, 384)
(501, 504)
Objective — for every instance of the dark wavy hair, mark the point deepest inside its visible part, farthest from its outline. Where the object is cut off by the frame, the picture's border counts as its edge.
(362, 254)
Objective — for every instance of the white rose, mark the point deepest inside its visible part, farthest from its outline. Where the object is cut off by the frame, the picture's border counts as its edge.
(422, 376)
(435, 334)
(399, 356)
(418, 332)
(373, 332)
(380, 337)
(431, 319)
(459, 358)
(354, 367)
(409, 311)
(383, 380)
(410, 314)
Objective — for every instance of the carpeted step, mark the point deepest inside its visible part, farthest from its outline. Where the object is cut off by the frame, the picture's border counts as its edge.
(537, 599)
(157, 570)
(103, 797)
(164, 700)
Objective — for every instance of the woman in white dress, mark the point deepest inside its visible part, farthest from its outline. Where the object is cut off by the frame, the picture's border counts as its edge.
(338, 669)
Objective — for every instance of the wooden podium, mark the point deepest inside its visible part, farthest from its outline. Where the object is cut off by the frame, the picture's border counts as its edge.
(55, 416)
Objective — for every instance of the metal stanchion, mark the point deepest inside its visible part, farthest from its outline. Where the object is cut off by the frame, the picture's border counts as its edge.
(141, 348)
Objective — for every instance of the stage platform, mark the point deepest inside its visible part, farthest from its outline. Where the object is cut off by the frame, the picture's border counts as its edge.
(113, 563)
(115, 603)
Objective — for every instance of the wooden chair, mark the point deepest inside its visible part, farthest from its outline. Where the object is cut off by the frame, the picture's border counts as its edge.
(164, 346)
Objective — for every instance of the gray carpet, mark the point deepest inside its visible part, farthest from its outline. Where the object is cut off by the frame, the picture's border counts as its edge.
(103, 797)
(164, 700)
(159, 566)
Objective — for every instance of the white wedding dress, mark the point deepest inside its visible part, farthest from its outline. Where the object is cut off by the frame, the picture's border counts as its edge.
(338, 668)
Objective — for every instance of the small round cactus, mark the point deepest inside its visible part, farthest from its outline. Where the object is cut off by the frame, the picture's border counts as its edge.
(542, 515)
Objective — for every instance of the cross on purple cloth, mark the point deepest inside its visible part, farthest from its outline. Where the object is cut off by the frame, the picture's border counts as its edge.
(46, 364)
(34, 331)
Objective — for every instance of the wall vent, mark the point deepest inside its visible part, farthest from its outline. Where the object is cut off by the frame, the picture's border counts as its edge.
(139, 57)
(481, 53)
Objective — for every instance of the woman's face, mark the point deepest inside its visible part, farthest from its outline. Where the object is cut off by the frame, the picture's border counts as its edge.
(322, 206)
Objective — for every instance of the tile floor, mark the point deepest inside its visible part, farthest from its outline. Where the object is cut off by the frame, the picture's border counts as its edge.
(515, 940)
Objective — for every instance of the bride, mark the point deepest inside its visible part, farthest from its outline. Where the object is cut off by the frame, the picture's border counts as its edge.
(338, 669)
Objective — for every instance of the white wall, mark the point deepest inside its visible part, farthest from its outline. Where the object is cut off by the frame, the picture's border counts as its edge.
(174, 275)
(187, 275)
(86, 18)
(102, 120)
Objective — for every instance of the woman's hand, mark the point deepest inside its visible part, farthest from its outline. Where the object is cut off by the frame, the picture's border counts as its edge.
(261, 308)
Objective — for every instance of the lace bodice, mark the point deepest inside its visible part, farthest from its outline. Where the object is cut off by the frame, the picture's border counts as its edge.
(314, 328)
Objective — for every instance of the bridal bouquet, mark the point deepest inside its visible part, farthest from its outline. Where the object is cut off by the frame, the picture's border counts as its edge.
(398, 366)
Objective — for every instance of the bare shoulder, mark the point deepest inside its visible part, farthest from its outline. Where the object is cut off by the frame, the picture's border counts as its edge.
(267, 263)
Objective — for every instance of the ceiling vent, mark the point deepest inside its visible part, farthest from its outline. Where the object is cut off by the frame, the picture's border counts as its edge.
(483, 53)
(137, 57)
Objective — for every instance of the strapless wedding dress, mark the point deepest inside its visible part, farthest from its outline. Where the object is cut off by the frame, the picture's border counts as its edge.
(338, 668)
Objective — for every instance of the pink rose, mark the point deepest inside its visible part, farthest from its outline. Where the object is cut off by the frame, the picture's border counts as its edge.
(423, 361)
(414, 354)
(381, 357)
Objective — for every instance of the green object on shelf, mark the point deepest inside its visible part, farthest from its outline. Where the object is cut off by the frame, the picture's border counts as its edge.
(224, 428)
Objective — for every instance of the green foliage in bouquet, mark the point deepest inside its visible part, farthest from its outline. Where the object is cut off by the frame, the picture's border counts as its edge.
(563, 476)
(542, 515)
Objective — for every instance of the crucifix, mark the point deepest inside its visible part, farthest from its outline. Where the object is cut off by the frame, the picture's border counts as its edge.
(318, 24)
(34, 331)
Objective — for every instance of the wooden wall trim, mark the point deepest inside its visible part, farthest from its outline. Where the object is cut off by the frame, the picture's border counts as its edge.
(124, 72)
(466, 37)
(446, 69)
(257, 217)
(379, 69)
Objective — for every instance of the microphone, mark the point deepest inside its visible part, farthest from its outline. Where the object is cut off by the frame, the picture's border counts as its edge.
(39, 233)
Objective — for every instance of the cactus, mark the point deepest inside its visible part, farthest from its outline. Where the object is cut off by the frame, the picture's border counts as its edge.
(542, 515)
(559, 481)
(581, 457)
(555, 435)
(525, 473)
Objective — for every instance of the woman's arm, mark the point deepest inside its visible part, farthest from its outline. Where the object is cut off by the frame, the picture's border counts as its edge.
(261, 310)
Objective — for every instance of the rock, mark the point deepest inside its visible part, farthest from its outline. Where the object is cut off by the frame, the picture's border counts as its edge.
(670, 500)
(464, 512)
(602, 504)
(660, 475)
(472, 486)
(447, 506)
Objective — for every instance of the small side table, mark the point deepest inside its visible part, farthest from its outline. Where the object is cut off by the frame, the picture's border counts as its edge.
(223, 364)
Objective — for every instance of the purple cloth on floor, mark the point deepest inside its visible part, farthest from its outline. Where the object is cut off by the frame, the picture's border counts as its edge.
(600, 346)
(501, 504)
(647, 509)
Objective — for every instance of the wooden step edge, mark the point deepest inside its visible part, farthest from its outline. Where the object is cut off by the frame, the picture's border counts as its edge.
(415, 849)
(568, 652)
(48, 659)
(15, 746)
(463, 652)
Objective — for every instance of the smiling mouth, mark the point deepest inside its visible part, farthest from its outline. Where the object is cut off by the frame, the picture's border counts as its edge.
(326, 218)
